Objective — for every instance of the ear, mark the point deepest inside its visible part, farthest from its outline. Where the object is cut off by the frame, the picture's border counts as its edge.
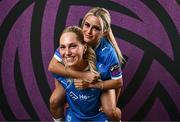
(105, 33)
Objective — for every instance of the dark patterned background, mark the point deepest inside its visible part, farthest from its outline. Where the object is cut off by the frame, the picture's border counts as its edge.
(147, 31)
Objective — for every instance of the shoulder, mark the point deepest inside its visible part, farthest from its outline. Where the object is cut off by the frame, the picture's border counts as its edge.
(62, 80)
(58, 77)
(107, 48)
(106, 53)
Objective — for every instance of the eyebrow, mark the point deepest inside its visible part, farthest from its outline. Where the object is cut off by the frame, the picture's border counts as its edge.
(93, 25)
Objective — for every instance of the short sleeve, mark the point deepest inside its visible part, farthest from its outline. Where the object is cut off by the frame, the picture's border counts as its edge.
(114, 65)
(57, 55)
(61, 80)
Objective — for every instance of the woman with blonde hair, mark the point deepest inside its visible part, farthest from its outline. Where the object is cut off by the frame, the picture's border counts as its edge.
(77, 55)
(98, 34)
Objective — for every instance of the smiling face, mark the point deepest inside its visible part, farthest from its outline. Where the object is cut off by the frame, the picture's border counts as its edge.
(92, 30)
(71, 50)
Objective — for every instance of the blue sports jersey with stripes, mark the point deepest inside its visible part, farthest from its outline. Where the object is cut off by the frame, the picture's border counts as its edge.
(84, 104)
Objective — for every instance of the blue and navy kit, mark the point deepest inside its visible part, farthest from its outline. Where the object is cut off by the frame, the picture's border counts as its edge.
(84, 104)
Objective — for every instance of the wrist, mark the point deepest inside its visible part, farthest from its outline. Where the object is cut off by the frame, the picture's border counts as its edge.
(98, 85)
(101, 85)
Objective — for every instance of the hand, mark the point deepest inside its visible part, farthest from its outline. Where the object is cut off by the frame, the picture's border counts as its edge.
(90, 76)
(80, 84)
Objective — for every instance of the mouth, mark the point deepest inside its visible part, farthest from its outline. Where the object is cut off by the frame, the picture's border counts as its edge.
(69, 59)
(88, 36)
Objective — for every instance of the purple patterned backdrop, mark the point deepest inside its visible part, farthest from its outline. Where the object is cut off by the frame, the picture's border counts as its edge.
(147, 31)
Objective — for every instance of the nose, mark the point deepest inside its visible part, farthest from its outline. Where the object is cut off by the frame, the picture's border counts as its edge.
(89, 30)
(68, 52)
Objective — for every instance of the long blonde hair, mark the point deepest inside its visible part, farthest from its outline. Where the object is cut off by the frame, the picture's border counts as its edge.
(89, 54)
(105, 20)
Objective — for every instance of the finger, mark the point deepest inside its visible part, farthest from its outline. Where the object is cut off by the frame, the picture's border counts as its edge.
(76, 84)
(85, 81)
(95, 72)
(77, 81)
(78, 87)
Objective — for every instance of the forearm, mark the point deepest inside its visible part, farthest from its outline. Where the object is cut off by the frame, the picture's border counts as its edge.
(108, 84)
(74, 74)
(118, 92)
(58, 68)
(116, 84)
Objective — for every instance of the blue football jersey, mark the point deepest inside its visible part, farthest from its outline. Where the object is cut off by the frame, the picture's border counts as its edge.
(84, 104)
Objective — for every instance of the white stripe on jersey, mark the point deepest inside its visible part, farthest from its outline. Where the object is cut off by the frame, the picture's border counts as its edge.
(57, 58)
(115, 78)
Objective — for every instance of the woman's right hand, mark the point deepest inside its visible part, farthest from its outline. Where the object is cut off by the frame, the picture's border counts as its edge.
(90, 76)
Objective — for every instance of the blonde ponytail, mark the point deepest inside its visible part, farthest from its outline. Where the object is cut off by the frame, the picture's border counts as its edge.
(90, 57)
(113, 42)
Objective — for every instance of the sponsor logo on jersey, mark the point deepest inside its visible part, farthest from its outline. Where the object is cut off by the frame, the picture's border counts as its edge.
(115, 70)
(73, 96)
(84, 97)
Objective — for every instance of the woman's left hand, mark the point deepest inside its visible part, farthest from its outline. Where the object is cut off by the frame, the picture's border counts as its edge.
(80, 84)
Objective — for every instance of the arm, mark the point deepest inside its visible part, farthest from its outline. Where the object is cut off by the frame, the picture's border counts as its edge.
(108, 84)
(112, 84)
(58, 68)
(104, 85)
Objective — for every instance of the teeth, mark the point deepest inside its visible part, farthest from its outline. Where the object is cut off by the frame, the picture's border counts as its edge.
(69, 59)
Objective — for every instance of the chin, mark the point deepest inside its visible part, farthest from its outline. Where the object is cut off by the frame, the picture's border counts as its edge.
(70, 64)
(87, 40)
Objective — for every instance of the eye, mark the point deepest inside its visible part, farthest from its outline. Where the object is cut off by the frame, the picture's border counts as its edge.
(97, 28)
(73, 46)
(87, 25)
(62, 47)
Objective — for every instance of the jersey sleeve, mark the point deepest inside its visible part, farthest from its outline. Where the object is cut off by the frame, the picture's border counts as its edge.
(61, 80)
(114, 65)
(57, 55)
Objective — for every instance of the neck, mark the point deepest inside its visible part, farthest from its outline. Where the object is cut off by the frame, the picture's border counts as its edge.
(97, 44)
